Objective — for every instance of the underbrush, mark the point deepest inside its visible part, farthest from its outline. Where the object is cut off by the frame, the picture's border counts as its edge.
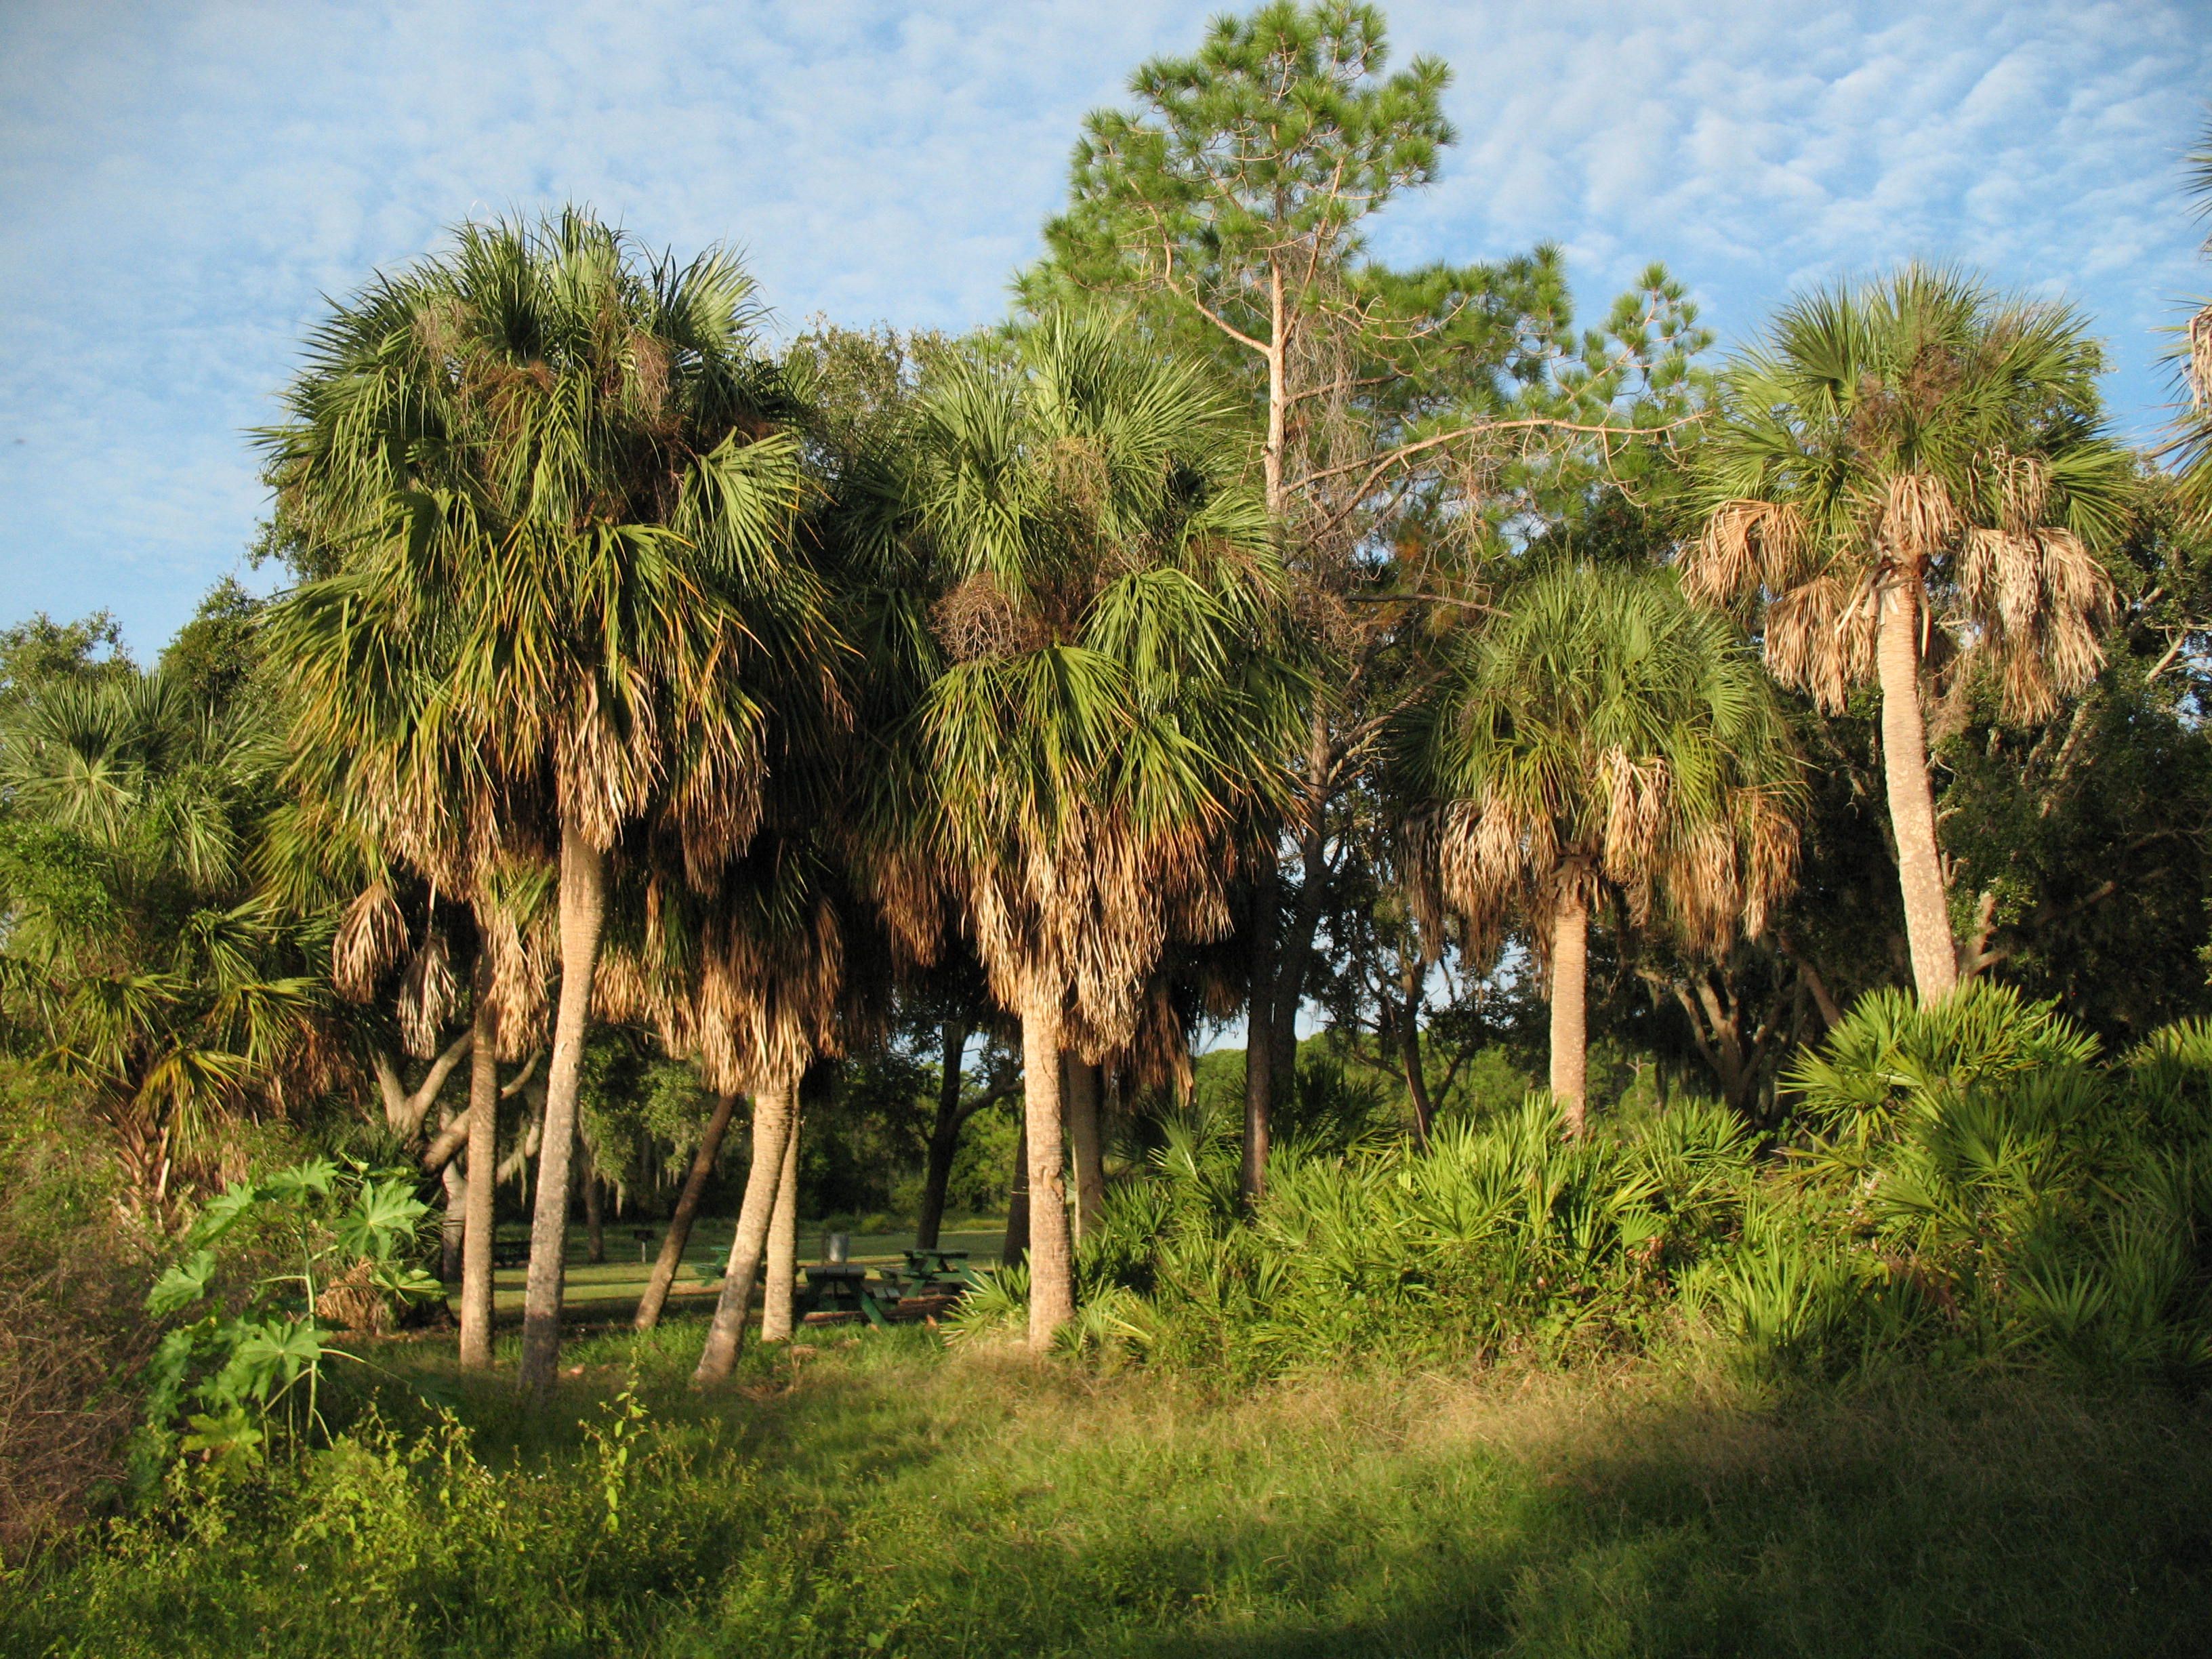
(880, 1498)
(1968, 1186)
(73, 1273)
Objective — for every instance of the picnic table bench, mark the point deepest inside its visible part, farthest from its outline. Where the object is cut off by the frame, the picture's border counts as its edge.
(510, 1253)
(838, 1291)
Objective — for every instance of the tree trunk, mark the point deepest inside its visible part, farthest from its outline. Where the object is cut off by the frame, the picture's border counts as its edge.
(1292, 951)
(1570, 1026)
(1082, 1144)
(1052, 1275)
(1015, 1246)
(452, 1228)
(1409, 1059)
(483, 1173)
(777, 1301)
(944, 1138)
(1259, 1032)
(595, 1229)
(773, 1109)
(687, 1211)
(1912, 802)
(583, 902)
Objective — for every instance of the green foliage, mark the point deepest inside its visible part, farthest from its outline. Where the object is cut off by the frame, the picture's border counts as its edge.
(879, 1498)
(311, 1242)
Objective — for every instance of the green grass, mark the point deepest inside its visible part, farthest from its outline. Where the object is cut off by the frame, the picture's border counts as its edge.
(873, 1494)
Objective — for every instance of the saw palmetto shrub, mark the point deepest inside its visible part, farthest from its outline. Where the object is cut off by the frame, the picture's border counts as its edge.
(1969, 1183)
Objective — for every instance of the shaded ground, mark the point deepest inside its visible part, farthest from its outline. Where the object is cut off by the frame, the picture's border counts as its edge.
(874, 1496)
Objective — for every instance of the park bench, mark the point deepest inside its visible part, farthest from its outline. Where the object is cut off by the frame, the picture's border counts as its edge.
(510, 1253)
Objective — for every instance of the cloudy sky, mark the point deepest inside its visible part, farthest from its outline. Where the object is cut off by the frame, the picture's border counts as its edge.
(181, 183)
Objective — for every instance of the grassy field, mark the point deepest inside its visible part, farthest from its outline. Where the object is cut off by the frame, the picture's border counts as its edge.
(872, 1493)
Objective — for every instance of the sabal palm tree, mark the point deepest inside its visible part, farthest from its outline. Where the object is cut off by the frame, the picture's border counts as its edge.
(1111, 692)
(1601, 734)
(749, 982)
(131, 939)
(1912, 454)
(555, 481)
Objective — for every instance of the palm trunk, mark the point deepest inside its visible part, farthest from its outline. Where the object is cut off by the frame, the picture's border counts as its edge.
(687, 1211)
(1570, 1022)
(1082, 1144)
(484, 1174)
(1912, 802)
(1259, 1033)
(1015, 1245)
(944, 1138)
(583, 901)
(1052, 1269)
(773, 1108)
(452, 1228)
(595, 1227)
(776, 1302)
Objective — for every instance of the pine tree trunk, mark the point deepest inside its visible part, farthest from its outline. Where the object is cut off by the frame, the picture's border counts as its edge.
(483, 1173)
(583, 902)
(687, 1211)
(1052, 1277)
(1569, 1024)
(1259, 1033)
(1912, 802)
(777, 1301)
(773, 1107)
(1015, 1246)
(944, 1138)
(1082, 1144)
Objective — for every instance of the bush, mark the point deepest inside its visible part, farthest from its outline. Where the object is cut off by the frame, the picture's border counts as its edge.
(72, 1270)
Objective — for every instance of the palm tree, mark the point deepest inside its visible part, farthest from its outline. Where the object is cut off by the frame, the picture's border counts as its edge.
(750, 982)
(1109, 693)
(555, 485)
(132, 939)
(1909, 452)
(1602, 734)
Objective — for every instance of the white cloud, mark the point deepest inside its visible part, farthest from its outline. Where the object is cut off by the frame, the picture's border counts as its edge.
(180, 185)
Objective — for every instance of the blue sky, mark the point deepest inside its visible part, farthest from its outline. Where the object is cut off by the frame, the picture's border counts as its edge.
(181, 183)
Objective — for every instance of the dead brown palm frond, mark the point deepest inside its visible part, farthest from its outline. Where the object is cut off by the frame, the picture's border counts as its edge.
(2038, 600)
(1635, 819)
(2199, 359)
(1820, 637)
(1917, 519)
(427, 996)
(2022, 489)
(372, 936)
(979, 618)
(1747, 546)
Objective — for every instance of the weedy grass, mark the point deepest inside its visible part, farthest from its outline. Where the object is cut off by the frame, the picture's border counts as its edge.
(880, 1495)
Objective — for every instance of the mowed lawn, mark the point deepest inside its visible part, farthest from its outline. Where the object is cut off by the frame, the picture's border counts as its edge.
(595, 1290)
